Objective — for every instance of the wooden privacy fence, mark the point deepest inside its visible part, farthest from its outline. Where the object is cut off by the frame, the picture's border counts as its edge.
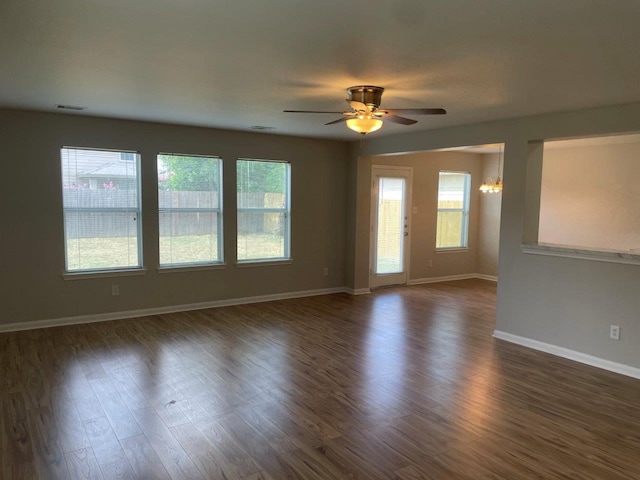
(98, 213)
(269, 223)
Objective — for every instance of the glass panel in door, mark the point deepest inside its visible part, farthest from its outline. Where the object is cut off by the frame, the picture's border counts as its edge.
(390, 225)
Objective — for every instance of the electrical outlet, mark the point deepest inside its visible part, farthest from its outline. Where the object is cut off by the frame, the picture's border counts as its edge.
(325, 272)
(614, 332)
(431, 263)
(115, 290)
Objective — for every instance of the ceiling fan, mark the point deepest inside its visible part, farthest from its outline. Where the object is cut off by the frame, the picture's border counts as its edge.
(366, 115)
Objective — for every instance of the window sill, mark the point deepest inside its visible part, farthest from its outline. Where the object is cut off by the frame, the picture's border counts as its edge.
(191, 268)
(567, 251)
(452, 250)
(264, 263)
(103, 274)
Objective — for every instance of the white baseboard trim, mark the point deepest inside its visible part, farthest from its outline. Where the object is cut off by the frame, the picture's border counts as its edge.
(482, 276)
(358, 291)
(449, 278)
(569, 354)
(104, 317)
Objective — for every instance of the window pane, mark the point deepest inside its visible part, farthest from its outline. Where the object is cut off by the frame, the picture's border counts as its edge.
(449, 229)
(263, 210)
(189, 201)
(188, 237)
(100, 198)
(100, 193)
(97, 240)
(261, 184)
(390, 231)
(451, 190)
(453, 209)
(261, 235)
(175, 199)
(188, 181)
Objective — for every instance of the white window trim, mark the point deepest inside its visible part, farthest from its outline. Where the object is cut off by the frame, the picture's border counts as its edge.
(86, 274)
(190, 267)
(452, 250)
(264, 262)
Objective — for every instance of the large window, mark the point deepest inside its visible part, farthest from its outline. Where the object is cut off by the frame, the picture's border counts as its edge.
(190, 209)
(453, 210)
(101, 201)
(264, 218)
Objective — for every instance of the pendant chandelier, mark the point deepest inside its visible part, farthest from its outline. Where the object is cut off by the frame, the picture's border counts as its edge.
(491, 184)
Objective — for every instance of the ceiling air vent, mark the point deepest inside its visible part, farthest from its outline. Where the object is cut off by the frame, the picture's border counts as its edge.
(70, 107)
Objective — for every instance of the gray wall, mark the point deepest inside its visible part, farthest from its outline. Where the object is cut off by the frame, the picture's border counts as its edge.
(561, 301)
(32, 235)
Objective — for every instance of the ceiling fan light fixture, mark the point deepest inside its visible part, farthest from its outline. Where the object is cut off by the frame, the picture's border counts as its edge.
(364, 124)
(365, 115)
(370, 95)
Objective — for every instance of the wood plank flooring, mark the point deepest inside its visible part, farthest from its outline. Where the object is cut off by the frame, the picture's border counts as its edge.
(404, 384)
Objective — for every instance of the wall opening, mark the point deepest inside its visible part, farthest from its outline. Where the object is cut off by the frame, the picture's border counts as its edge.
(589, 194)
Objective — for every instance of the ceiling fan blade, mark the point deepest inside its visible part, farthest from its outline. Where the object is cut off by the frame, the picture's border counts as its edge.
(309, 111)
(343, 119)
(400, 120)
(358, 106)
(414, 111)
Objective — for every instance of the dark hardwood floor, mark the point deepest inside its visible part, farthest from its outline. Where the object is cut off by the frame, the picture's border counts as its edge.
(406, 383)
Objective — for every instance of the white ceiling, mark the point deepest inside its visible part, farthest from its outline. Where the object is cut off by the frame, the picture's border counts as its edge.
(235, 64)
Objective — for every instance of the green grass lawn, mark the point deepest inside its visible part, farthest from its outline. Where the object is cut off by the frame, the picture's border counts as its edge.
(260, 246)
(101, 252)
(188, 249)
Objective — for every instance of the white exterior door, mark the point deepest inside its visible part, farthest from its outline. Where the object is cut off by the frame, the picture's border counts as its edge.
(390, 214)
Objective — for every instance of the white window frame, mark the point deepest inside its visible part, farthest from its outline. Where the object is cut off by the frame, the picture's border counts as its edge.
(464, 231)
(218, 210)
(137, 211)
(286, 211)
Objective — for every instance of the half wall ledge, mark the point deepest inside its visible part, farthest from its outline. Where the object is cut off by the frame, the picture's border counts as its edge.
(630, 257)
